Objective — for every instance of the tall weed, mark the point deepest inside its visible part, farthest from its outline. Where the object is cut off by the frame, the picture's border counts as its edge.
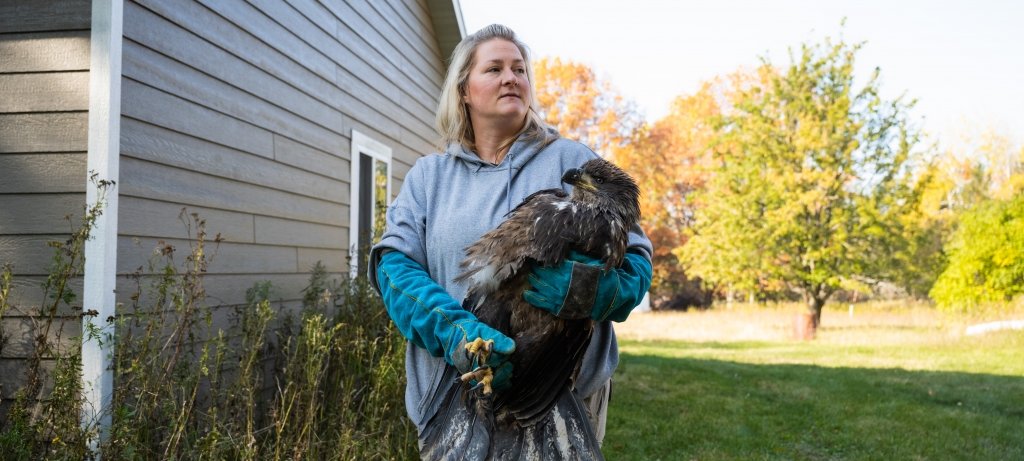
(327, 384)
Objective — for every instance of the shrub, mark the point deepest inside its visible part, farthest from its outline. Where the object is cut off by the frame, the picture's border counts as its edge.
(986, 257)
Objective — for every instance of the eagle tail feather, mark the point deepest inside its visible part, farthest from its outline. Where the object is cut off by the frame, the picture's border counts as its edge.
(458, 431)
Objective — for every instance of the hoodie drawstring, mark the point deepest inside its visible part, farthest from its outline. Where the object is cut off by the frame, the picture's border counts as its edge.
(508, 185)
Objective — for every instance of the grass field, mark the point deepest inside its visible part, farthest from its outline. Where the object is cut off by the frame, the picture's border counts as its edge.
(889, 382)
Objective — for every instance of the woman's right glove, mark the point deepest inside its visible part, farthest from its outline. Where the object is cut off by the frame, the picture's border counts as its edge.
(430, 318)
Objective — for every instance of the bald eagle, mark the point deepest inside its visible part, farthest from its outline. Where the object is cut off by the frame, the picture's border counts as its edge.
(538, 416)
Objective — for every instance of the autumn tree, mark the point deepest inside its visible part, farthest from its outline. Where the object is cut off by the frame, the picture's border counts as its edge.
(671, 161)
(812, 176)
(983, 164)
(584, 107)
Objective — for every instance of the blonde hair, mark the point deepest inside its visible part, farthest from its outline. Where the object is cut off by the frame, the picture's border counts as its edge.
(452, 115)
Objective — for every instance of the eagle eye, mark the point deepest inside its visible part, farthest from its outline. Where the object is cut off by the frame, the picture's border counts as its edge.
(599, 179)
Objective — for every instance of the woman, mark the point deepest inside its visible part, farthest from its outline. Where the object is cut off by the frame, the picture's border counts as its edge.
(499, 151)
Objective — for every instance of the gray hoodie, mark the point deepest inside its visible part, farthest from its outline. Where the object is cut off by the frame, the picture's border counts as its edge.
(446, 203)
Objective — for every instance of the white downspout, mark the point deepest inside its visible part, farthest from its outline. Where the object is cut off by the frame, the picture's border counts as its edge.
(101, 251)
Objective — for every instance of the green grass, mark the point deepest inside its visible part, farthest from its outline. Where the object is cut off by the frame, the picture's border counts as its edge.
(957, 398)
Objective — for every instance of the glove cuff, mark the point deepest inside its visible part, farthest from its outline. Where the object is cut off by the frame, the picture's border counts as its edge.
(583, 286)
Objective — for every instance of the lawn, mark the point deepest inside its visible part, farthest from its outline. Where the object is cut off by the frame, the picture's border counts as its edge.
(885, 383)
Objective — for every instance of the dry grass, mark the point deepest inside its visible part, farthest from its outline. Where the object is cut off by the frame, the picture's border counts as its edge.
(895, 322)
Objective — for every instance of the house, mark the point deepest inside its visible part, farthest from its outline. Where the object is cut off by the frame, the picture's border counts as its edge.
(282, 123)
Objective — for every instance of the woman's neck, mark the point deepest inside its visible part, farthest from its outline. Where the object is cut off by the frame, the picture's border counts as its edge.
(492, 141)
(490, 149)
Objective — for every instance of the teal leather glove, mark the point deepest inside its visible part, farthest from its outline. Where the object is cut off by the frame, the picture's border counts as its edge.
(579, 287)
(430, 318)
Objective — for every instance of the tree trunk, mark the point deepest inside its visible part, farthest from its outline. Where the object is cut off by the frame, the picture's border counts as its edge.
(814, 305)
(806, 323)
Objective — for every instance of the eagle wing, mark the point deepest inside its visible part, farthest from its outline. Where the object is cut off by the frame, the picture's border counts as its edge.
(531, 231)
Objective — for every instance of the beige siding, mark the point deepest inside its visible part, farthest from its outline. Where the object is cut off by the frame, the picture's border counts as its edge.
(44, 75)
(243, 112)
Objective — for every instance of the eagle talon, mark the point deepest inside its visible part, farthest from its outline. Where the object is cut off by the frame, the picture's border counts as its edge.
(483, 377)
(481, 348)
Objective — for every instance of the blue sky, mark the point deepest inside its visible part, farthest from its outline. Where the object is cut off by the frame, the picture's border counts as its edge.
(962, 60)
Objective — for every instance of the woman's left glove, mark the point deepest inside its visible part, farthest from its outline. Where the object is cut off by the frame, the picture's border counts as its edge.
(579, 287)
(430, 318)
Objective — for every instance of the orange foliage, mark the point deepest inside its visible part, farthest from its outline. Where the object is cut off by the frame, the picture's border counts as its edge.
(583, 107)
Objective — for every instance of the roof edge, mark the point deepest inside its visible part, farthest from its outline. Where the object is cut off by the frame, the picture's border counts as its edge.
(449, 27)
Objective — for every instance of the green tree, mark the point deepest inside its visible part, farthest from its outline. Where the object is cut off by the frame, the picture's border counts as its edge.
(986, 256)
(981, 167)
(812, 177)
(671, 160)
(926, 228)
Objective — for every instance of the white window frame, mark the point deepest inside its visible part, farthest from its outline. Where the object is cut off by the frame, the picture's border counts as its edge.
(363, 144)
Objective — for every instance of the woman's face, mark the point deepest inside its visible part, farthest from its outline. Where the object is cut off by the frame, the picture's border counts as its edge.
(497, 87)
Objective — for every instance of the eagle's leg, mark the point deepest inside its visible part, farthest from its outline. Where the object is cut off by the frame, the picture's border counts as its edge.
(482, 374)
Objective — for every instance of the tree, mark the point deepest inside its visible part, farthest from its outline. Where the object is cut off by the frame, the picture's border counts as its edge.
(925, 229)
(812, 176)
(986, 256)
(982, 178)
(671, 161)
(584, 107)
(981, 167)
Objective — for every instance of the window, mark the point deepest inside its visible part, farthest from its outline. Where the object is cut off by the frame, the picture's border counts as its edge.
(370, 195)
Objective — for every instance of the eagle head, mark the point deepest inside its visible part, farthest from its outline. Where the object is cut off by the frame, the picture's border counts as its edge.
(600, 183)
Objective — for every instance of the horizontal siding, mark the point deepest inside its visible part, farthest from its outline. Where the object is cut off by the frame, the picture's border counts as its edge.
(229, 289)
(362, 29)
(155, 144)
(12, 376)
(161, 182)
(356, 47)
(229, 258)
(333, 260)
(40, 213)
(44, 101)
(45, 51)
(59, 91)
(243, 111)
(299, 155)
(29, 255)
(143, 102)
(346, 69)
(143, 65)
(44, 15)
(140, 217)
(276, 231)
(414, 20)
(20, 335)
(27, 296)
(43, 173)
(43, 132)
(415, 55)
